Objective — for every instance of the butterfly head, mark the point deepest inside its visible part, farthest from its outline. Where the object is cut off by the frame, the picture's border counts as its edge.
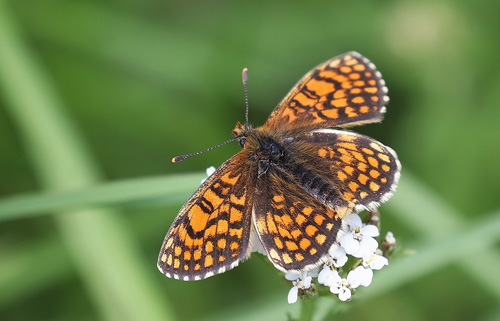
(241, 132)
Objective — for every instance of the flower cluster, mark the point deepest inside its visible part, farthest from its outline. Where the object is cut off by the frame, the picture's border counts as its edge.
(359, 242)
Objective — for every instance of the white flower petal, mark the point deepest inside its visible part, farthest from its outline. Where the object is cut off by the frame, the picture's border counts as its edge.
(390, 239)
(355, 277)
(336, 251)
(335, 288)
(378, 262)
(210, 170)
(328, 276)
(293, 294)
(367, 246)
(339, 256)
(370, 230)
(349, 243)
(361, 252)
(292, 276)
(367, 277)
(314, 272)
(340, 262)
(335, 277)
(324, 275)
(354, 221)
(369, 243)
(345, 294)
(307, 282)
(360, 276)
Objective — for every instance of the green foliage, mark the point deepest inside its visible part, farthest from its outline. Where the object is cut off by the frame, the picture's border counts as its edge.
(97, 96)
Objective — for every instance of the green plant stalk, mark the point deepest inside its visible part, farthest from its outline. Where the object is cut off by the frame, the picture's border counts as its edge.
(170, 189)
(103, 252)
(432, 218)
(307, 309)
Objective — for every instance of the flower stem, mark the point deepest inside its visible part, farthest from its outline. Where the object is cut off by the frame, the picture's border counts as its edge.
(307, 309)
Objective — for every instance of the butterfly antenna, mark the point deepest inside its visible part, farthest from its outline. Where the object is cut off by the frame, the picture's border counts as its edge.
(180, 158)
(244, 76)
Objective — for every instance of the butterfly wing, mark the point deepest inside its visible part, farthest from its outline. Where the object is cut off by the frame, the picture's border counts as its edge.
(362, 170)
(295, 229)
(211, 233)
(344, 91)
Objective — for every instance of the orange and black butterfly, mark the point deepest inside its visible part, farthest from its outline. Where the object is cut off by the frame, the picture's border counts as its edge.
(291, 187)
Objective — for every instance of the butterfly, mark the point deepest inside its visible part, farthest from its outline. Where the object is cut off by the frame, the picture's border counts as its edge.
(295, 181)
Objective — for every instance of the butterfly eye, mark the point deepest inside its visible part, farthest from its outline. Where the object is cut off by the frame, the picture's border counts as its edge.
(277, 152)
(243, 141)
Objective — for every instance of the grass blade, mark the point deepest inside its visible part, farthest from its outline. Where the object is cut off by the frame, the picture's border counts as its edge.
(104, 253)
(431, 218)
(171, 189)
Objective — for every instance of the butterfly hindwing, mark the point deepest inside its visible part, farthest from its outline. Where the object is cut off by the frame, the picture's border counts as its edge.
(295, 229)
(212, 230)
(363, 170)
(344, 91)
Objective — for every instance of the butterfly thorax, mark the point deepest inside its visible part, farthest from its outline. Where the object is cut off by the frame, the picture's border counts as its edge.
(273, 152)
(263, 147)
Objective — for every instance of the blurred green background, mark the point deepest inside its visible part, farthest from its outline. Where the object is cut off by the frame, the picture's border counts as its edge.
(96, 97)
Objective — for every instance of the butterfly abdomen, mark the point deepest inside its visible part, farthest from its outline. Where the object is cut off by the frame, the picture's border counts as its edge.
(316, 185)
(273, 153)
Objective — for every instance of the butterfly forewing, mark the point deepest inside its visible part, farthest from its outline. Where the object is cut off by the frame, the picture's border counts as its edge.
(345, 90)
(295, 229)
(363, 170)
(211, 232)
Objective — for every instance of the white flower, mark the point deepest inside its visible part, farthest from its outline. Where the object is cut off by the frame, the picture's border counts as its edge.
(337, 285)
(390, 239)
(388, 243)
(359, 240)
(339, 256)
(375, 261)
(209, 172)
(360, 276)
(341, 287)
(327, 276)
(300, 281)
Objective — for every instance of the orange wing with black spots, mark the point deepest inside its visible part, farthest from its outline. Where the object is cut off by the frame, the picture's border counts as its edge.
(344, 91)
(295, 229)
(363, 170)
(211, 233)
